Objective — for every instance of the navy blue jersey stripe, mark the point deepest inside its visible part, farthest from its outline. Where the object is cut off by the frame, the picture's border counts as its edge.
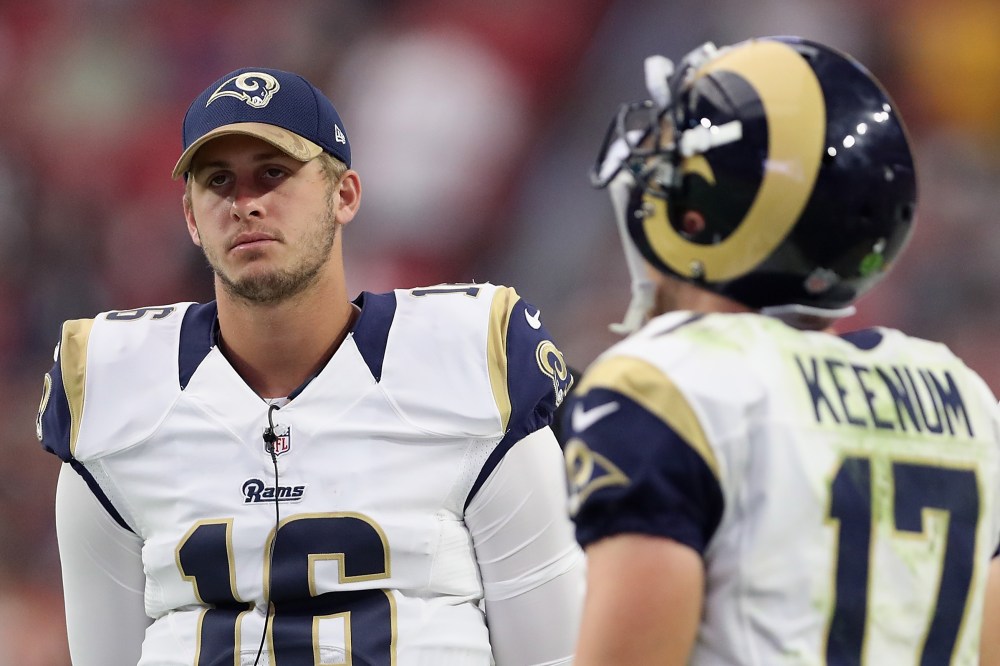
(644, 477)
(537, 381)
(371, 333)
(198, 336)
(56, 421)
(99, 494)
(537, 375)
(865, 339)
(559, 415)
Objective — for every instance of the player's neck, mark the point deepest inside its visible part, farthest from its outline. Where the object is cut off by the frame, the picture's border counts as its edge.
(674, 294)
(275, 348)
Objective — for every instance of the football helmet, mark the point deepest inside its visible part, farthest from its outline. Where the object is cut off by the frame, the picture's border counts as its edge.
(776, 172)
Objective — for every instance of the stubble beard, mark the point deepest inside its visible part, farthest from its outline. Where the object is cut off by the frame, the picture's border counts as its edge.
(276, 286)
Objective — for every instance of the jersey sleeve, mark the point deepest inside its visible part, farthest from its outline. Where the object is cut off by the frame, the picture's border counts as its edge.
(528, 373)
(102, 576)
(60, 412)
(637, 457)
(113, 378)
(531, 567)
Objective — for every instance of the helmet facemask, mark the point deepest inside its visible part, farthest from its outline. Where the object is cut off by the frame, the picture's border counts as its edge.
(632, 155)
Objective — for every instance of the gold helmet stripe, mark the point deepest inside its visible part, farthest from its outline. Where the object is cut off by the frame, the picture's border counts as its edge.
(796, 122)
(699, 165)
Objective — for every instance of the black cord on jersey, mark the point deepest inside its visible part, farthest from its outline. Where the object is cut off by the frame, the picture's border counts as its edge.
(269, 439)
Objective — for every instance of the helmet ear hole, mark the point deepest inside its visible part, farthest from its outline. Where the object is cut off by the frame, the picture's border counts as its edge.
(692, 223)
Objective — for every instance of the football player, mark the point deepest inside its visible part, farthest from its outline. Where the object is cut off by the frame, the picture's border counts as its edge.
(285, 476)
(751, 486)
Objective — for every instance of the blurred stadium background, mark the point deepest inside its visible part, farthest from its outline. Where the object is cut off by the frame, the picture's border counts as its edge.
(473, 124)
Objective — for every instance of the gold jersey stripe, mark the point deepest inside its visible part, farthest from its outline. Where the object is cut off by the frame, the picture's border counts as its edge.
(496, 349)
(646, 384)
(73, 365)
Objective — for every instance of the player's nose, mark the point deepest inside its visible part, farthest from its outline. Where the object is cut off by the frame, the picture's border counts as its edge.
(246, 203)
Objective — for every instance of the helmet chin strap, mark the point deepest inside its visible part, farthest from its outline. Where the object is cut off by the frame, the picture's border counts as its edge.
(643, 289)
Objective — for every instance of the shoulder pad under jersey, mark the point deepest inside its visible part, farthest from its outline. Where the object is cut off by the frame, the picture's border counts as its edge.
(113, 379)
(472, 360)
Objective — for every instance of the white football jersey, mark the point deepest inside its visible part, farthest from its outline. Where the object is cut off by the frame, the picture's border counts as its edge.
(842, 490)
(368, 560)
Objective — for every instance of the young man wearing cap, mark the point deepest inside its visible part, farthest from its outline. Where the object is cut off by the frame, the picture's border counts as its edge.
(285, 476)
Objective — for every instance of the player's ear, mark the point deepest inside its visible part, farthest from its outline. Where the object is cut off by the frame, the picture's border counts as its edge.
(349, 190)
(189, 218)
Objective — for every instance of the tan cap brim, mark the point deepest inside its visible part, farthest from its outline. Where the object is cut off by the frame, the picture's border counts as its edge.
(288, 142)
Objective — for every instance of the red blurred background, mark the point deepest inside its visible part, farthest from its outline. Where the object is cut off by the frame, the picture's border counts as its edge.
(473, 125)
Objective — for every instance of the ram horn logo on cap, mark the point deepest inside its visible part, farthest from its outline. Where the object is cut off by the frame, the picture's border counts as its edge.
(254, 88)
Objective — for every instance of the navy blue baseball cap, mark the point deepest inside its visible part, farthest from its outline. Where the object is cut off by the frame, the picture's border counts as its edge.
(279, 107)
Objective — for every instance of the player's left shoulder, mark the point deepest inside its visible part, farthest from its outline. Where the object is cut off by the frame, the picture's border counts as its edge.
(460, 306)
(482, 313)
(532, 362)
(497, 335)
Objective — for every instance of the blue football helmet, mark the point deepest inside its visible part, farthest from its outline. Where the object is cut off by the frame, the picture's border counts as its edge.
(776, 172)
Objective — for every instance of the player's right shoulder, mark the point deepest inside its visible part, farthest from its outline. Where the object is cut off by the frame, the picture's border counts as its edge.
(701, 360)
(112, 377)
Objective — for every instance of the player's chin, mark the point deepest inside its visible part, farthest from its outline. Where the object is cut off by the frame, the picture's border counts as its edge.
(248, 271)
(258, 271)
(254, 264)
(261, 287)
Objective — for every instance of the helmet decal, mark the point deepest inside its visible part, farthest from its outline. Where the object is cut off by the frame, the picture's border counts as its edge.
(874, 260)
(782, 79)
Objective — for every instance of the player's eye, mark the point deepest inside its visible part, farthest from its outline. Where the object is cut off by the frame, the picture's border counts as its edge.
(274, 173)
(217, 179)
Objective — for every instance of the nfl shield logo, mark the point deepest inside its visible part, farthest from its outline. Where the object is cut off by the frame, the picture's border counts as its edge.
(282, 442)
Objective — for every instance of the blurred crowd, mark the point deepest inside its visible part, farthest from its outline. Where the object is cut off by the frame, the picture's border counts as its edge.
(473, 124)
